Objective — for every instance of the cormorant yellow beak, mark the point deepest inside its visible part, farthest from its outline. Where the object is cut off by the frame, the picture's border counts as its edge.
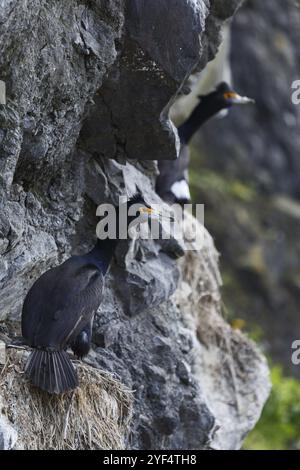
(235, 98)
(155, 214)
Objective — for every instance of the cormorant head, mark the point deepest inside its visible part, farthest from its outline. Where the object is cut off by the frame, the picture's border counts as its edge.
(223, 97)
(144, 212)
(115, 221)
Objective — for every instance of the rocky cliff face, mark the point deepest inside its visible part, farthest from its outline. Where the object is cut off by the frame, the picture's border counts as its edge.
(248, 172)
(88, 90)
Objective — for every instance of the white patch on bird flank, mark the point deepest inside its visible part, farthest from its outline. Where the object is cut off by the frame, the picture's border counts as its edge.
(222, 114)
(181, 190)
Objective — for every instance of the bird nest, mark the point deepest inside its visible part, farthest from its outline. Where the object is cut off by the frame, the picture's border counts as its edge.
(94, 416)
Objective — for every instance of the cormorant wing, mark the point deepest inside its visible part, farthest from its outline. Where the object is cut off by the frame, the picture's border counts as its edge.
(61, 302)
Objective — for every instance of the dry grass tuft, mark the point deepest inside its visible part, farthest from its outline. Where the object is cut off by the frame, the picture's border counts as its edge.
(94, 416)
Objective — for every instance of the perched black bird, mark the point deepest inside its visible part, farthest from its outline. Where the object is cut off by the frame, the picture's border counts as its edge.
(59, 308)
(172, 182)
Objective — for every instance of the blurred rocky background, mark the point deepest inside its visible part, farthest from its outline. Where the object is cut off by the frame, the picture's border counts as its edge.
(246, 170)
(88, 89)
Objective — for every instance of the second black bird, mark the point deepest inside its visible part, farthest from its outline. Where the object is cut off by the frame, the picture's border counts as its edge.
(172, 183)
(59, 308)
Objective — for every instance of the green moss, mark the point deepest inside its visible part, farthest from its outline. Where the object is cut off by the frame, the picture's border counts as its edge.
(279, 426)
(255, 332)
(210, 182)
(241, 191)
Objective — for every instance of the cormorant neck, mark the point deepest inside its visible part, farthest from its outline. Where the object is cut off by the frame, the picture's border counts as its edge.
(103, 252)
(199, 116)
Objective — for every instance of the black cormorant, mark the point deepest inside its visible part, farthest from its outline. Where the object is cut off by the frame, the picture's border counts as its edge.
(59, 308)
(172, 182)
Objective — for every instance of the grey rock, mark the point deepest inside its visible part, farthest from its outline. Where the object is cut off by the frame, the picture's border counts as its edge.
(88, 92)
(229, 370)
(183, 371)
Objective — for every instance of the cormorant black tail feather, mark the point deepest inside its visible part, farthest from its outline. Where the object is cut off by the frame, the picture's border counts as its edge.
(51, 371)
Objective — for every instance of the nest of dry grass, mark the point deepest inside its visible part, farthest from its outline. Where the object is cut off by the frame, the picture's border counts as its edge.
(94, 416)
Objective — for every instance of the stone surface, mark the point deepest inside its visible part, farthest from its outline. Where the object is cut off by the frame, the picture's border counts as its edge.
(197, 382)
(230, 370)
(88, 82)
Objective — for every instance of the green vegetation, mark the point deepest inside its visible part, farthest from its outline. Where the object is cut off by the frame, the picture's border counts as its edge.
(279, 426)
(213, 182)
(247, 225)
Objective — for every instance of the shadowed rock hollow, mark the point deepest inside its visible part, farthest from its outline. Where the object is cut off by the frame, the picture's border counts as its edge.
(88, 91)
